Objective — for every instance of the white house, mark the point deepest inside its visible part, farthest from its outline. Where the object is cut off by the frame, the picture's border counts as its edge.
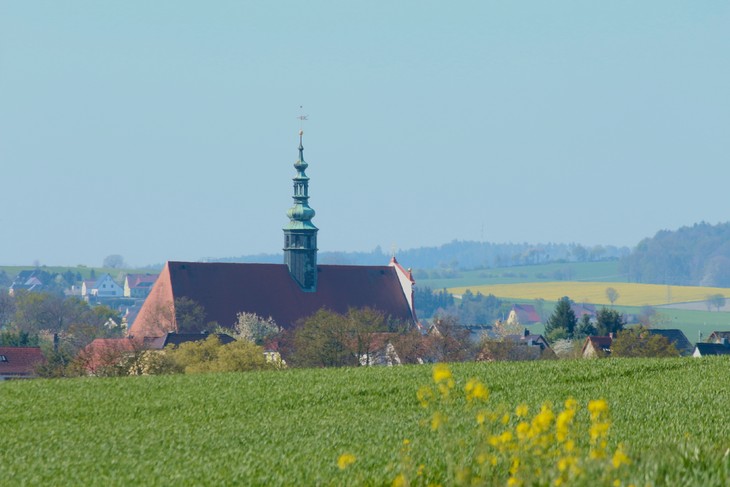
(104, 287)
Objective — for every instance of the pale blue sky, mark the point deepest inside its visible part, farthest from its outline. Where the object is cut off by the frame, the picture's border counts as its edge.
(167, 130)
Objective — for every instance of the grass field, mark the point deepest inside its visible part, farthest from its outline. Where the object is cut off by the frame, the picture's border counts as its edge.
(630, 294)
(289, 428)
(577, 271)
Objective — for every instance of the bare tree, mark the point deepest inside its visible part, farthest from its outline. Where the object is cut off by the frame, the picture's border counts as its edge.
(612, 295)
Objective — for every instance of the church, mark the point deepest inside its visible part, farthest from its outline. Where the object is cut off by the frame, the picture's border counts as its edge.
(287, 292)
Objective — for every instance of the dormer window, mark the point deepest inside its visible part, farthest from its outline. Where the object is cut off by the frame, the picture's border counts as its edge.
(3, 358)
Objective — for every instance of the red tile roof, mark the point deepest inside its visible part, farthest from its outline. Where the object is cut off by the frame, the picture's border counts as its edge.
(19, 361)
(225, 289)
(526, 313)
(135, 280)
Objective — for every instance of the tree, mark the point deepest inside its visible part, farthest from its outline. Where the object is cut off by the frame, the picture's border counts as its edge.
(561, 323)
(189, 316)
(329, 339)
(321, 341)
(612, 295)
(114, 261)
(210, 355)
(715, 300)
(609, 321)
(585, 327)
(253, 328)
(639, 342)
(449, 341)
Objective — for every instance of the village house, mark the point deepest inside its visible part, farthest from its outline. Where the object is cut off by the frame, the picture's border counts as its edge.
(19, 362)
(596, 347)
(26, 281)
(138, 285)
(523, 314)
(103, 353)
(675, 337)
(287, 292)
(709, 349)
(104, 287)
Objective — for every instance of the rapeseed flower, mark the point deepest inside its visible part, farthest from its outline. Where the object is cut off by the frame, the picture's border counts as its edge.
(345, 460)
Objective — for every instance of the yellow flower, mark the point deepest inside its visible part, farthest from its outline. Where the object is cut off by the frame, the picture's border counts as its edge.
(505, 418)
(424, 395)
(481, 417)
(522, 429)
(571, 404)
(345, 460)
(475, 390)
(437, 420)
(620, 457)
(441, 373)
(399, 481)
(522, 410)
(597, 408)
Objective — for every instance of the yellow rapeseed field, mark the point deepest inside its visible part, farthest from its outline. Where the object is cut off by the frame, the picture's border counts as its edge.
(629, 294)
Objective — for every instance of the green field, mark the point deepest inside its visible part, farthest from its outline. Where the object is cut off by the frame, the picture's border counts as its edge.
(568, 271)
(289, 428)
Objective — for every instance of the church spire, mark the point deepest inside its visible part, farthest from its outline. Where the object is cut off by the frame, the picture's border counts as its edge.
(300, 234)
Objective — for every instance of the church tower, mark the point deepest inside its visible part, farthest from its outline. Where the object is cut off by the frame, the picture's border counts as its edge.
(300, 235)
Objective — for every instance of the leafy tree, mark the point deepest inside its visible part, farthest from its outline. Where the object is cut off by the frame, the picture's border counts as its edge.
(253, 328)
(328, 339)
(322, 341)
(478, 309)
(114, 261)
(585, 327)
(210, 355)
(190, 316)
(612, 295)
(639, 342)
(429, 301)
(18, 339)
(609, 321)
(35, 312)
(7, 309)
(562, 322)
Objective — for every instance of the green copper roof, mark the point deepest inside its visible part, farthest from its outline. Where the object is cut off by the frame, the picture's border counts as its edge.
(300, 214)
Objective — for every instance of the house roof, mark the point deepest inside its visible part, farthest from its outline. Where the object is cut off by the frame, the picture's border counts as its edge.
(529, 338)
(583, 309)
(144, 280)
(106, 351)
(717, 336)
(712, 349)
(224, 290)
(526, 313)
(602, 343)
(19, 361)
(675, 337)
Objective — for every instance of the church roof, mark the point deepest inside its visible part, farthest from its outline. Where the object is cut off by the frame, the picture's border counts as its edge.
(224, 290)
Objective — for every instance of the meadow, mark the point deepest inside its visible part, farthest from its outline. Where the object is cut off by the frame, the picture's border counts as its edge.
(292, 427)
(630, 294)
(556, 271)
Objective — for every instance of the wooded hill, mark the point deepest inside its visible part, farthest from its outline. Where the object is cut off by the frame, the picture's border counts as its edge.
(696, 256)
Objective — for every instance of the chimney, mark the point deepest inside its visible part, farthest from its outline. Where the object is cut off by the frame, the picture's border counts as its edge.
(610, 335)
(527, 332)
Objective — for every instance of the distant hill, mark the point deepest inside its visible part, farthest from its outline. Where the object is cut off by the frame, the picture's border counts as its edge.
(461, 255)
(698, 256)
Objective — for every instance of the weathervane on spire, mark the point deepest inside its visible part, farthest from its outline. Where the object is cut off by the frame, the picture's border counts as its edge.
(302, 117)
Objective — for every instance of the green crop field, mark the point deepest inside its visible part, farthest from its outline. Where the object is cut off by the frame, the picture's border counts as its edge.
(575, 271)
(291, 427)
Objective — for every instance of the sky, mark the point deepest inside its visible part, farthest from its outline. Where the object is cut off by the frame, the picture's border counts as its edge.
(168, 130)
